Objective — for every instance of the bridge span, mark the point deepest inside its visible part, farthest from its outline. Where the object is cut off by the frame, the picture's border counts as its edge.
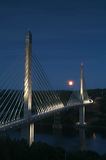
(18, 109)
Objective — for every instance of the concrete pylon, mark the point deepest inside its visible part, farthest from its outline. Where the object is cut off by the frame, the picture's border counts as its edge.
(57, 125)
(82, 107)
(28, 89)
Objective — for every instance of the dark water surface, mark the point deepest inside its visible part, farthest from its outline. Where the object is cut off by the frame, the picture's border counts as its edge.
(71, 143)
(71, 140)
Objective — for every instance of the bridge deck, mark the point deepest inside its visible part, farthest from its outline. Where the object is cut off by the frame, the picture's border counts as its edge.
(34, 118)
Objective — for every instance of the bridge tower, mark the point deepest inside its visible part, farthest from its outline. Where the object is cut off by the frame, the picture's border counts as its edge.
(82, 107)
(28, 88)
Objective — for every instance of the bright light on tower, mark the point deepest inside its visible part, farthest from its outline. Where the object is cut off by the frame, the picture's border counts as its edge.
(70, 82)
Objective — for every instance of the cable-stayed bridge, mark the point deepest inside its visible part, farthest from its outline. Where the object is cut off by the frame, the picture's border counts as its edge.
(36, 99)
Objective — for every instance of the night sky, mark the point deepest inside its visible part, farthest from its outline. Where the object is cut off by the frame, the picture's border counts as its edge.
(65, 33)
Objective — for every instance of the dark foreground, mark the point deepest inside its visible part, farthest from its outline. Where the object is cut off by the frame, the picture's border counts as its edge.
(19, 150)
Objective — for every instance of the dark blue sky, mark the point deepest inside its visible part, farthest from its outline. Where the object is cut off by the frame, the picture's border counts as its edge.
(65, 33)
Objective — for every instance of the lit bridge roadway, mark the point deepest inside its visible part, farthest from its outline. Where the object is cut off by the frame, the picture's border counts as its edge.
(36, 117)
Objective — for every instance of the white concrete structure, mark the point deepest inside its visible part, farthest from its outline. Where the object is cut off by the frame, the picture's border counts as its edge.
(82, 107)
(28, 87)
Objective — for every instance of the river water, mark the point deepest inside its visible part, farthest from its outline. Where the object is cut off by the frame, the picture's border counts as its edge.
(96, 142)
(71, 140)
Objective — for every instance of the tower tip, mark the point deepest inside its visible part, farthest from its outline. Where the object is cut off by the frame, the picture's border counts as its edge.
(82, 63)
(28, 36)
(28, 33)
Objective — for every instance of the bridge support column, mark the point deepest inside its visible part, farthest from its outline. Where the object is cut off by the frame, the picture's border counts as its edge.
(57, 126)
(27, 133)
(82, 115)
(31, 134)
(28, 88)
(82, 107)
